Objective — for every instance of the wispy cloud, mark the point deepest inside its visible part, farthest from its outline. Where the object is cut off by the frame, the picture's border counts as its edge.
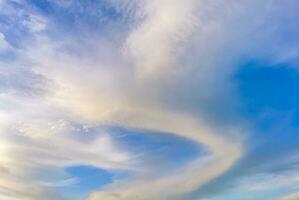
(77, 68)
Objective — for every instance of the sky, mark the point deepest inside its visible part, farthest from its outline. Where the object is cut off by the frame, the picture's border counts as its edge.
(149, 99)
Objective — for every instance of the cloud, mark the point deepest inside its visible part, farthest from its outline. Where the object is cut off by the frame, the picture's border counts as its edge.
(108, 95)
(36, 139)
(294, 196)
(170, 70)
(3, 43)
(127, 109)
(155, 44)
(276, 180)
(35, 23)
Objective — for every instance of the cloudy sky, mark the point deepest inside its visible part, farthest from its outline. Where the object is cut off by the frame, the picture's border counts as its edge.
(149, 100)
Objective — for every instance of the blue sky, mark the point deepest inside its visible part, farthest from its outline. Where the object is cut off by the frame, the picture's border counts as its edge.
(147, 99)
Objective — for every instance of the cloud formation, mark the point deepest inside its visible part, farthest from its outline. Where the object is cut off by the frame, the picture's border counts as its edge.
(76, 69)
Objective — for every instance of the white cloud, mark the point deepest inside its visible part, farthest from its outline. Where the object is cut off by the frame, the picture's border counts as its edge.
(294, 196)
(157, 42)
(278, 180)
(36, 138)
(4, 45)
(176, 53)
(100, 97)
(35, 23)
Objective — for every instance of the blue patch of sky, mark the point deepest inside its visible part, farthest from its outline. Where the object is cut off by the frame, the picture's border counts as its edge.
(168, 150)
(79, 16)
(75, 19)
(270, 104)
(270, 97)
(7, 56)
(12, 24)
(89, 179)
(264, 86)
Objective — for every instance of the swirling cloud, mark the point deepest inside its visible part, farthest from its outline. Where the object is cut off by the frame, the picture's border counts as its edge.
(78, 68)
